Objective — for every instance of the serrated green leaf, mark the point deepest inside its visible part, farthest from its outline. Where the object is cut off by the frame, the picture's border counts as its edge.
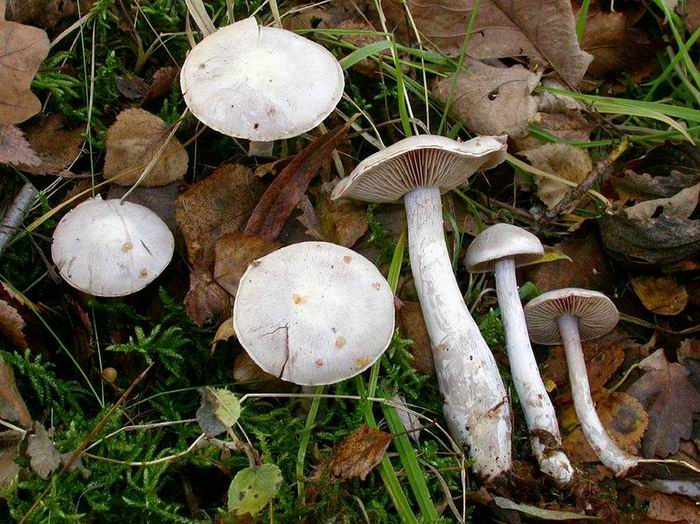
(252, 488)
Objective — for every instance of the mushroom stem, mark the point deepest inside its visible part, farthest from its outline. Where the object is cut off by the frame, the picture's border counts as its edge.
(537, 407)
(475, 402)
(608, 452)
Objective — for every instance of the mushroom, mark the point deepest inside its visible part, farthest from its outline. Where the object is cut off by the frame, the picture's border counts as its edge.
(109, 248)
(501, 248)
(314, 313)
(418, 169)
(260, 83)
(568, 316)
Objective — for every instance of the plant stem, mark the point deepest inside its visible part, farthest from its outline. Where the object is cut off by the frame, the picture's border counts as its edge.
(15, 214)
(537, 407)
(475, 402)
(304, 441)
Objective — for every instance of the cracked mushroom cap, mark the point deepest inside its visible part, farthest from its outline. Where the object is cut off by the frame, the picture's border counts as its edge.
(502, 241)
(314, 313)
(596, 314)
(260, 83)
(110, 249)
(420, 161)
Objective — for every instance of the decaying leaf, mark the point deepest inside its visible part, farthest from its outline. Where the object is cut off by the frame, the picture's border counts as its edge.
(248, 374)
(133, 141)
(358, 454)
(234, 252)
(544, 32)
(586, 267)
(681, 205)
(568, 125)
(224, 332)
(285, 192)
(12, 324)
(218, 412)
(689, 356)
(15, 149)
(206, 300)
(692, 14)
(410, 317)
(22, 49)
(162, 82)
(309, 219)
(661, 295)
(672, 508)
(252, 488)
(161, 200)
(9, 469)
(670, 400)
(56, 145)
(44, 457)
(221, 203)
(12, 406)
(568, 162)
(46, 13)
(603, 357)
(491, 100)
(342, 221)
(622, 416)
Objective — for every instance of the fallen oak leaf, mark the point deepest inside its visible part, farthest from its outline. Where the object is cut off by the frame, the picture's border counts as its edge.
(15, 149)
(358, 454)
(670, 399)
(133, 141)
(22, 50)
(503, 28)
(660, 295)
(282, 196)
(491, 100)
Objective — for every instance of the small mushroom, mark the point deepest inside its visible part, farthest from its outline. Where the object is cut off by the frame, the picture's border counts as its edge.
(501, 248)
(314, 313)
(568, 316)
(260, 83)
(109, 248)
(418, 169)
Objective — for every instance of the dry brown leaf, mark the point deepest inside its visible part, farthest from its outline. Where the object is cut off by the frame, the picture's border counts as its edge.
(44, 457)
(692, 17)
(681, 205)
(544, 31)
(206, 300)
(234, 252)
(46, 13)
(309, 219)
(282, 196)
(587, 268)
(15, 149)
(9, 469)
(412, 324)
(622, 416)
(342, 221)
(670, 399)
(567, 162)
(133, 141)
(661, 295)
(12, 324)
(56, 145)
(161, 85)
(247, 373)
(161, 200)
(22, 49)
(673, 508)
(569, 125)
(219, 204)
(224, 332)
(132, 87)
(603, 357)
(12, 406)
(358, 454)
(491, 100)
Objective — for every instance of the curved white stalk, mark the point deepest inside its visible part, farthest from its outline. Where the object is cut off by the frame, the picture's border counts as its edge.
(607, 451)
(537, 407)
(475, 403)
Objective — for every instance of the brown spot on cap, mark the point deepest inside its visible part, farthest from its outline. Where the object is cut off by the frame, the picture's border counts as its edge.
(340, 342)
(347, 259)
(377, 286)
(298, 299)
(143, 273)
(319, 363)
(361, 362)
(128, 246)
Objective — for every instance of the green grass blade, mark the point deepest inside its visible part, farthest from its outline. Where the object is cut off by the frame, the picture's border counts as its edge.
(304, 440)
(363, 53)
(581, 20)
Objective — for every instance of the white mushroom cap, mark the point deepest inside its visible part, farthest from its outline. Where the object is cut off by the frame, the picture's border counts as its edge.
(502, 241)
(110, 249)
(260, 83)
(314, 313)
(596, 314)
(420, 161)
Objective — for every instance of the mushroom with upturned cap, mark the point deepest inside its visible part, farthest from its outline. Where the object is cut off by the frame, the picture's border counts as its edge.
(314, 313)
(501, 248)
(109, 248)
(418, 169)
(260, 83)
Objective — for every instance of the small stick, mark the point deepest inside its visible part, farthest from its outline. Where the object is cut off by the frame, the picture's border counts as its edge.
(577, 193)
(15, 214)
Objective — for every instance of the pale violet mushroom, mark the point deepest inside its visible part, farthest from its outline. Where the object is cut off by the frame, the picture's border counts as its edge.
(501, 248)
(109, 248)
(418, 169)
(314, 313)
(568, 316)
(260, 83)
